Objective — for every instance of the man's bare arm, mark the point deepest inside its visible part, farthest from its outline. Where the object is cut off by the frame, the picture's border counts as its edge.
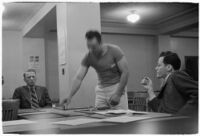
(123, 66)
(82, 71)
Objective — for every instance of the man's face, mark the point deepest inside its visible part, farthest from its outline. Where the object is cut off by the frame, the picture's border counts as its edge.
(94, 46)
(161, 69)
(30, 78)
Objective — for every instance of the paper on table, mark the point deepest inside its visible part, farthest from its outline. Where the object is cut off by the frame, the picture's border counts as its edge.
(79, 121)
(32, 113)
(112, 112)
(125, 119)
(17, 122)
(117, 112)
(144, 115)
(28, 110)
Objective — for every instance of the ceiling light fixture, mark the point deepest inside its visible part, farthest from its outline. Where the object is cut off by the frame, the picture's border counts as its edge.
(133, 17)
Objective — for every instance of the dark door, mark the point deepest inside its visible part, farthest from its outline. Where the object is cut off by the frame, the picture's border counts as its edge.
(191, 65)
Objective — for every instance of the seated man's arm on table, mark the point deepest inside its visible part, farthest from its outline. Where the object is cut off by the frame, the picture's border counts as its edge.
(17, 95)
(154, 104)
(189, 90)
(48, 101)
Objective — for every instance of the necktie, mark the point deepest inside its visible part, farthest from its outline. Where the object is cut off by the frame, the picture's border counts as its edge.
(34, 100)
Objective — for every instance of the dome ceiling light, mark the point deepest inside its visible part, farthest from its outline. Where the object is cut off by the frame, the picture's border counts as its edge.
(133, 17)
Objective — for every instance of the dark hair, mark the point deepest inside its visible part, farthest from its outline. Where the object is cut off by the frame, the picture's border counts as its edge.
(93, 34)
(171, 58)
(29, 70)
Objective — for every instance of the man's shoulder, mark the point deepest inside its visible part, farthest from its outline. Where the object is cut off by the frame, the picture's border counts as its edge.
(179, 73)
(86, 55)
(41, 87)
(21, 88)
(85, 59)
(112, 46)
(179, 76)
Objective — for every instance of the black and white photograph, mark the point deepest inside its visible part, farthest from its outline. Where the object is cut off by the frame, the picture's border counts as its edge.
(100, 67)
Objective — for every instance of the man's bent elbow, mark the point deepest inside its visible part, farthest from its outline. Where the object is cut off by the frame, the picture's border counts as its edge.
(126, 73)
(78, 78)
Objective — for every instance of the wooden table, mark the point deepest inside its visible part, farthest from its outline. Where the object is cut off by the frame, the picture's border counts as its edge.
(161, 125)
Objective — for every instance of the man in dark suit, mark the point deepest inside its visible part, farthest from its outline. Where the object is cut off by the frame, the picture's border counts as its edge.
(31, 95)
(179, 92)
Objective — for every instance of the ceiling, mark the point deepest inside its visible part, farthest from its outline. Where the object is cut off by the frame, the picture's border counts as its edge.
(16, 15)
(150, 13)
(46, 25)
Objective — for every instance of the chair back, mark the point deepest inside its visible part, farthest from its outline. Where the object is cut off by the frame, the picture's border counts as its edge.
(139, 104)
(9, 109)
(137, 101)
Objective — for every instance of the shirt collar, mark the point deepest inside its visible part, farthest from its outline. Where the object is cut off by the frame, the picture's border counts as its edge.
(29, 87)
(167, 77)
(165, 80)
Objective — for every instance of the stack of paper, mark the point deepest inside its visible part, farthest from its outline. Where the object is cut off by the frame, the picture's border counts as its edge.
(21, 111)
(118, 112)
(135, 116)
(17, 122)
(79, 121)
(125, 119)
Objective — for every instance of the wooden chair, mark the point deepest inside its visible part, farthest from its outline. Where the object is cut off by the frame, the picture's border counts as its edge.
(9, 109)
(139, 104)
(137, 101)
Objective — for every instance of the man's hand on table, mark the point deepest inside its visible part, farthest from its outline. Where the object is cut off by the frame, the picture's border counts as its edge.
(66, 103)
(114, 99)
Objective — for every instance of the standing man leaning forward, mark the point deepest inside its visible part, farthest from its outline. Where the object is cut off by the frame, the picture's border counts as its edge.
(112, 71)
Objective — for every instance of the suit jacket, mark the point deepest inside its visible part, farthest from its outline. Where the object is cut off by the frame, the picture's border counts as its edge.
(178, 96)
(23, 94)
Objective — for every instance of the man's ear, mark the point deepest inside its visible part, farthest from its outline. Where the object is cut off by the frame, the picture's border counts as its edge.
(24, 76)
(169, 68)
(24, 79)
